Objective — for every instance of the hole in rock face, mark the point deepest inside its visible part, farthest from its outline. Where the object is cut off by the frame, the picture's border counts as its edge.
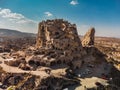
(56, 33)
(59, 62)
(37, 63)
(53, 56)
(26, 68)
(52, 63)
(31, 62)
(42, 64)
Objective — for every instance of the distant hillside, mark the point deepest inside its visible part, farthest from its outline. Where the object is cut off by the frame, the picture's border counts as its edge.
(14, 33)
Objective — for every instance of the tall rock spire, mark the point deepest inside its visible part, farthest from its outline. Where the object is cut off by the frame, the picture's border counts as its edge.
(88, 39)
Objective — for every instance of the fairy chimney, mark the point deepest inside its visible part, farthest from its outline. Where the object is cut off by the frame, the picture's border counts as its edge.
(61, 37)
(88, 39)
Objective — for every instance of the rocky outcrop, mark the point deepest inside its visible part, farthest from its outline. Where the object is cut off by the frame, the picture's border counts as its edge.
(57, 34)
(58, 42)
(88, 39)
(24, 81)
(15, 62)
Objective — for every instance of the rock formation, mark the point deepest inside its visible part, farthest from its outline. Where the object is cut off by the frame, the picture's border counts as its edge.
(55, 61)
(57, 34)
(88, 39)
(59, 41)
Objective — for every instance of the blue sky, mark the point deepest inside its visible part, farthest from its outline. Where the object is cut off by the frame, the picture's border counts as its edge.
(24, 15)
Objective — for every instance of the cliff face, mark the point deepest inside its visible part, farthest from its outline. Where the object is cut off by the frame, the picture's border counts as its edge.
(62, 37)
(57, 34)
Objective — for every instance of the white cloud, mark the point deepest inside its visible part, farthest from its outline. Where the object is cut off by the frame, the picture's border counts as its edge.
(74, 2)
(11, 20)
(8, 14)
(48, 14)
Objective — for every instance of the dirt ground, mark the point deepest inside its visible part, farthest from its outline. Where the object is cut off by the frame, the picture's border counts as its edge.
(88, 75)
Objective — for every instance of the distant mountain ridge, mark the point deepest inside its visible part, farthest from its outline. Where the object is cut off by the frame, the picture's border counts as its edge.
(14, 33)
